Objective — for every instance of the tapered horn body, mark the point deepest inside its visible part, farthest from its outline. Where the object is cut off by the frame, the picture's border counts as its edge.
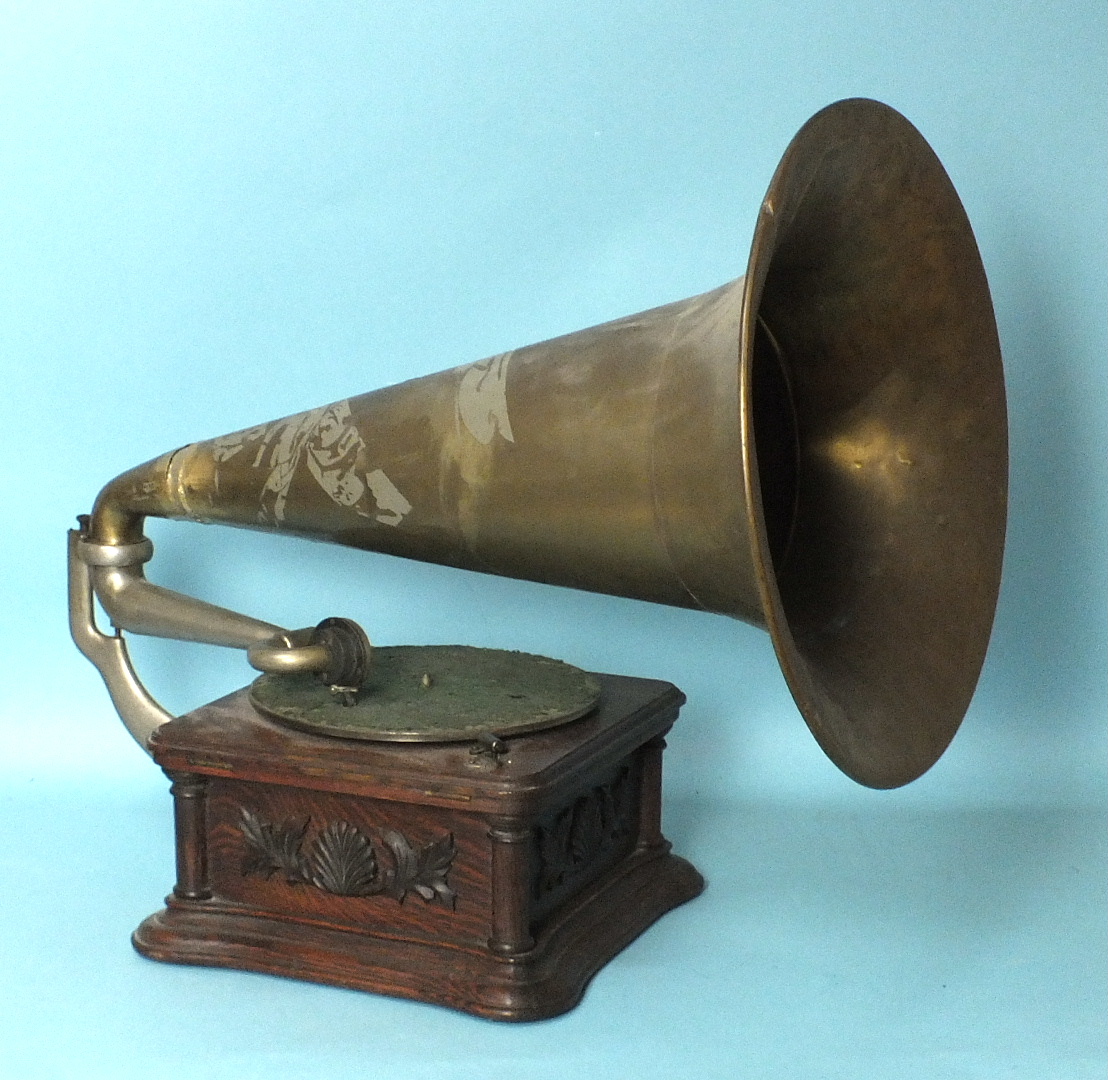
(604, 460)
(818, 448)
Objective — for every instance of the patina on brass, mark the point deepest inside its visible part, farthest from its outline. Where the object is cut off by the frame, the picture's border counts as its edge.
(818, 448)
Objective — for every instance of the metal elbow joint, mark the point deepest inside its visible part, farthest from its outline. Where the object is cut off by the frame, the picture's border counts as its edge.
(112, 568)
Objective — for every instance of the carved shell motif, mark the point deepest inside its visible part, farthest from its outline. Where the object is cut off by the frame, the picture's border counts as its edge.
(342, 860)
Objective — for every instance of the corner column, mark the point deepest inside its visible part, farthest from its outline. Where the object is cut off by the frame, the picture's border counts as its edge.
(190, 805)
(650, 797)
(511, 897)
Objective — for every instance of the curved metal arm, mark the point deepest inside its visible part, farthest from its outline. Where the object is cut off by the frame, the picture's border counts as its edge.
(134, 604)
(114, 573)
(288, 659)
(140, 713)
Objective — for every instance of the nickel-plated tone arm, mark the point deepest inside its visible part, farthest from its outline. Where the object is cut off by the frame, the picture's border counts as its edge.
(106, 558)
(114, 572)
(134, 604)
(140, 713)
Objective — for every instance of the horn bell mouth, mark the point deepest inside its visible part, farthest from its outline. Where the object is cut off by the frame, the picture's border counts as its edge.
(874, 433)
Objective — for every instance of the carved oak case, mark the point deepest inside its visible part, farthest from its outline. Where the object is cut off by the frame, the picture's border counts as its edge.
(495, 884)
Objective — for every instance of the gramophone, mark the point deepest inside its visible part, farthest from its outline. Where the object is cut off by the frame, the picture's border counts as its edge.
(818, 448)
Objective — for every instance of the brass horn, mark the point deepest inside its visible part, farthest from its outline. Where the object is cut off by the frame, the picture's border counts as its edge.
(818, 448)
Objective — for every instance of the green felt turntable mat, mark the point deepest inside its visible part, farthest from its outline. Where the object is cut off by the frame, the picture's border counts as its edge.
(435, 693)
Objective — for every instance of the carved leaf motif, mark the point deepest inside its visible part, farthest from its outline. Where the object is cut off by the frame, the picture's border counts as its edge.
(342, 861)
(272, 848)
(434, 861)
(423, 872)
(586, 833)
(582, 834)
(616, 806)
(552, 846)
(405, 858)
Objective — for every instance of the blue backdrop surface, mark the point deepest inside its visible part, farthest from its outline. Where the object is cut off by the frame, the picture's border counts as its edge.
(213, 215)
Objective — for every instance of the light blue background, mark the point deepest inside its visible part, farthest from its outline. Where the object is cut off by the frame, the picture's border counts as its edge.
(213, 214)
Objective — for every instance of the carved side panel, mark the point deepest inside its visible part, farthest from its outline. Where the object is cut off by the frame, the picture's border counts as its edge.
(342, 860)
(580, 841)
(414, 872)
